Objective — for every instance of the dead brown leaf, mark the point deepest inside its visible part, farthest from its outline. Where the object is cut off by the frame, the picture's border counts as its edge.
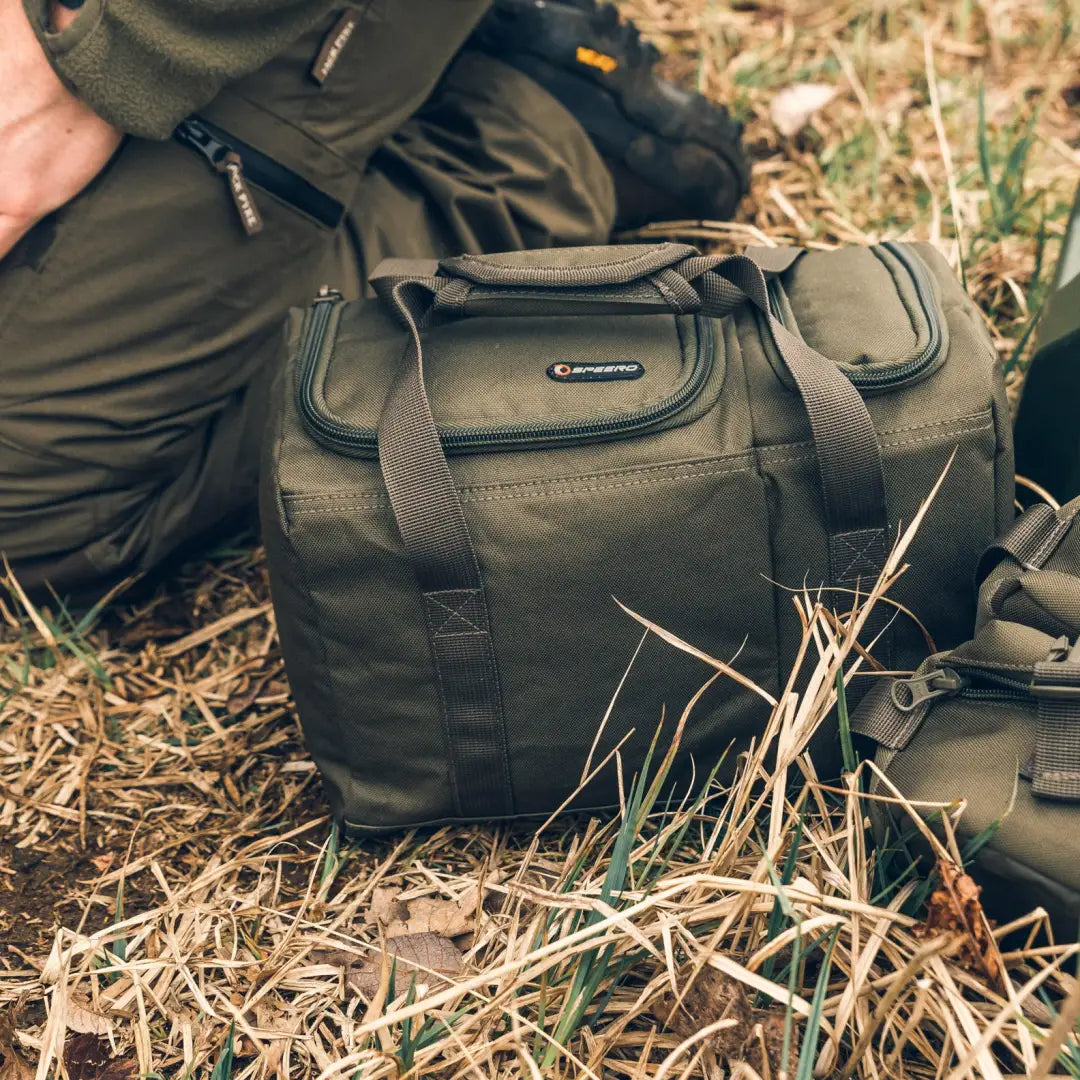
(12, 1066)
(764, 1049)
(433, 960)
(90, 1057)
(243, 700)
(83, 1020)
(955, 908)
(713, 996)
(423, 914)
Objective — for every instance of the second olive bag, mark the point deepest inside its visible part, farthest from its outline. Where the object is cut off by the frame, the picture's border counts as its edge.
(466, 477)
(995, 722)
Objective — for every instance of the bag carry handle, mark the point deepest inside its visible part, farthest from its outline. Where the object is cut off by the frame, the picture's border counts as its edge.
(654, 282)
(428, 509)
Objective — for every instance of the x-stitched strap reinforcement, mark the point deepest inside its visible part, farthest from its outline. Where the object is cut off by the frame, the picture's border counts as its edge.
(456, 611)
(857, 555)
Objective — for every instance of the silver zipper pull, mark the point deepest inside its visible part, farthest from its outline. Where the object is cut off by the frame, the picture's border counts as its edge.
(327, 293)
(920, 689)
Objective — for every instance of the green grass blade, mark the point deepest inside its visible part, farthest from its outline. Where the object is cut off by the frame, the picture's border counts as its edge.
(119, 946)
(847, 747)
(983, 143)
(808, 1050)
(331, 860)
(223, 1067)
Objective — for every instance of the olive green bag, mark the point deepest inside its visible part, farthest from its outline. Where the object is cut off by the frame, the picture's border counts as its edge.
(996, 721)
(467, 477)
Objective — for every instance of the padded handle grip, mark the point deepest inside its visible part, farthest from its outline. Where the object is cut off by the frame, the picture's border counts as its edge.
(661, 290)
(625, 280)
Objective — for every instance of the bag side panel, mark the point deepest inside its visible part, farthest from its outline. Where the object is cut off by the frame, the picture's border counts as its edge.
(970, 328)
(919, 424)
(299, 631)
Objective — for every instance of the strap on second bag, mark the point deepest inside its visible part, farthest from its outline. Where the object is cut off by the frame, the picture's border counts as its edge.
(1055, 768)
(432, 523)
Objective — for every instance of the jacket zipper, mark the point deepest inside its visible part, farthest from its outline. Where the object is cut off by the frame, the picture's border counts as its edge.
(242, 164)
(356, 441)
(896, 373)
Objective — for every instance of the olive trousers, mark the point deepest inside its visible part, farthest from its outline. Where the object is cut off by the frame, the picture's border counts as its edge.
(139, 325)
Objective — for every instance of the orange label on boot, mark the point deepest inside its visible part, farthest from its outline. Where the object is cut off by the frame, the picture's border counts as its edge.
(607, 64)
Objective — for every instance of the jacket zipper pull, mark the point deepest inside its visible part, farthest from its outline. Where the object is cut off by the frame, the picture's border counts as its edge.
(923, 688)
(332, 46)
(231, 165)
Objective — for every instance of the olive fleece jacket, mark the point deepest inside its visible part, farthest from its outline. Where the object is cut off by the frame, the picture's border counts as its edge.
(144, 65)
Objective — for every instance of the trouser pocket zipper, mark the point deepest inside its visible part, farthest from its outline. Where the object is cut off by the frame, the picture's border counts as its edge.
(243, 165)
(232, 165)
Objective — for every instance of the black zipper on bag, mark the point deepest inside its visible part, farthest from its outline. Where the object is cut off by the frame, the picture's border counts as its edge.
(895, 373)
(241, 164)
(357, 441)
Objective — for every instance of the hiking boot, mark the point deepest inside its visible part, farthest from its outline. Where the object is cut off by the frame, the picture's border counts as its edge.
(672, 153)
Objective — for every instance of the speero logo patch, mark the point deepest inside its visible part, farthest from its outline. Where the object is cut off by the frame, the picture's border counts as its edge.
(627, 369)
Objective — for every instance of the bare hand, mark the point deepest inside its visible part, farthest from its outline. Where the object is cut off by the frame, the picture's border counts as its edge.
(51, 144)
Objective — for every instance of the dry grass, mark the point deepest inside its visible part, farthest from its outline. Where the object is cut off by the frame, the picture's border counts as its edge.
(172, 896)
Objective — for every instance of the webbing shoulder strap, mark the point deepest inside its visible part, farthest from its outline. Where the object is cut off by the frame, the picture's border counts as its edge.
(849, 457)
(436, 537)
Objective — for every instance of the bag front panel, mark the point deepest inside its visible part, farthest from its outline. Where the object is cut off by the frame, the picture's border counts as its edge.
(684, 546)
(557, 555)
